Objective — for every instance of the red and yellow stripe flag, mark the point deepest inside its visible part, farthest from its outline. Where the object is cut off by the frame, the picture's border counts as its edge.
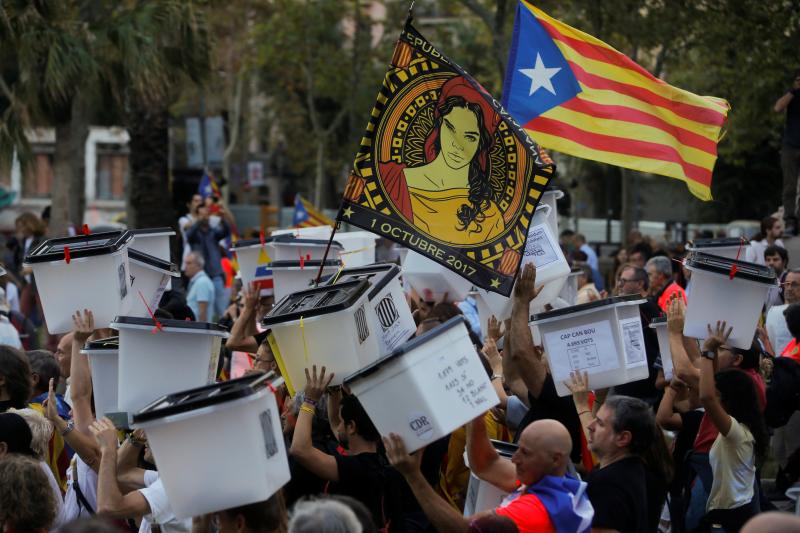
(576, 94)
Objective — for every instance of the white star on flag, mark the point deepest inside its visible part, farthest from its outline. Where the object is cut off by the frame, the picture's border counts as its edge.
(540, 76)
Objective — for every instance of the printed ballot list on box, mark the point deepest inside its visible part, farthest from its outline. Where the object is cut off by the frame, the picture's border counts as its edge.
(591, 348)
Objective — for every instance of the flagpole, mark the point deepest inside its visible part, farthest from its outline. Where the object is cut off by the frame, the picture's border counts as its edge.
(338, 221)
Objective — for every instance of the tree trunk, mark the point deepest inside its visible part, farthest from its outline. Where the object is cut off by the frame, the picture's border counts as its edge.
(319, 180)
(149, 195)
(69, 171)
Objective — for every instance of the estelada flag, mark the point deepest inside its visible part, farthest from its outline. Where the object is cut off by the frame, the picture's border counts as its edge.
(444, 170)
(580, 96)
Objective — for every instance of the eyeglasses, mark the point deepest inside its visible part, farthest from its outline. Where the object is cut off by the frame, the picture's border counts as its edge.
(623, 280)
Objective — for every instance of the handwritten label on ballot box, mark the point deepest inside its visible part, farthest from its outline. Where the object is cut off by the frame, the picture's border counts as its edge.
(588, 348)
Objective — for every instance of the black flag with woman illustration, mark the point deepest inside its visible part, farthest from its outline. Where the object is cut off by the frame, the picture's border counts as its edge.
(444, 170)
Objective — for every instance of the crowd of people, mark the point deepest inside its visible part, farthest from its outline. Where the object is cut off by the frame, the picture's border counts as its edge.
(684, 452)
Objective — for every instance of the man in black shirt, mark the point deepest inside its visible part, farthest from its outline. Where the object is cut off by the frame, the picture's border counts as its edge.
(790, 152)
(622, 430)
(363, 473)
(527, 359)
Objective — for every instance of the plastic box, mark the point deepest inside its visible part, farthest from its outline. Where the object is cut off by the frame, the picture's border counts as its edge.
(552, 271)
(660, 325)
(97, 277)
(227, 434)
(549, 198)
(730, 248)
(431, 280)
(154, 241)
(426, 388)
(359, 246)
(103, 355)
(543, 250)
(481, 495)
(569, 293)
(603, 338)
(293, 276)
(326, 326)
(389, 314)
(717, 296)
(149, 279)
(152, 362)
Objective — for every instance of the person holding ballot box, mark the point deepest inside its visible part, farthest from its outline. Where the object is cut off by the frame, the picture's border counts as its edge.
(543, 497)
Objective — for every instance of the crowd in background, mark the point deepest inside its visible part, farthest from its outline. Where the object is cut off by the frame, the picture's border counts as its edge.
(685, 454)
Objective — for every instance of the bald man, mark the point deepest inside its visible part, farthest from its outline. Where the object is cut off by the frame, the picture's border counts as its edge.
(542, 496)
(774, 522)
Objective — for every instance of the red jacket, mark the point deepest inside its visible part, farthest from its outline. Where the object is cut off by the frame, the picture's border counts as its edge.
(666, 295)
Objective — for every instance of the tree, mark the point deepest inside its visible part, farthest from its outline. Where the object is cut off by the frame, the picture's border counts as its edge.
(148, 49)
(46, 64)
(317, 61)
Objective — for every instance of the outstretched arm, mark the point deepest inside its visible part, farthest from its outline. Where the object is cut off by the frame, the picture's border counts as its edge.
(319, 463)
(708, 388)
(525, 355)
(243, 332)
(683, 367)
(484, 461)
(110, 500)
(80, 375)
(442, 515)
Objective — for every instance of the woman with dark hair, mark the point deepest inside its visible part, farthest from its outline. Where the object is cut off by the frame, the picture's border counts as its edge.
(731, 403)
(449, 195)
(15, 379)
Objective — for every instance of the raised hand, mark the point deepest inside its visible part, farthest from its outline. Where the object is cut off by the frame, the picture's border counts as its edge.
(676, 315)
(399, 458)
(717, 336)
(83, 325)
(525, 290)
(316, 384)
(51, 404)
(578, 385)
(495, 329)
(105, 433)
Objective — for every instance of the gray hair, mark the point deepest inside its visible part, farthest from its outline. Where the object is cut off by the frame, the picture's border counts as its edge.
(41, 430)
(198, 257)
(44, 363)
(323, 516)
(662, 264)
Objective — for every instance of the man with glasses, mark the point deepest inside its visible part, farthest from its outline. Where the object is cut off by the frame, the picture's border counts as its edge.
(790, 153)
(633, 280)
(777, 331)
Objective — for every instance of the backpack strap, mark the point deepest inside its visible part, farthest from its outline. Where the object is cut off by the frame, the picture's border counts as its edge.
(78, 492)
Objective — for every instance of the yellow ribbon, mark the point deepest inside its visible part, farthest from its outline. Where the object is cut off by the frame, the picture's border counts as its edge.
(357, 250)
(305, 344)
(336, 276)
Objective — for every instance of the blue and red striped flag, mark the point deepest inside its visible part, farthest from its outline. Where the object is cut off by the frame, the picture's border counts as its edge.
(306, 215)
(578, 95)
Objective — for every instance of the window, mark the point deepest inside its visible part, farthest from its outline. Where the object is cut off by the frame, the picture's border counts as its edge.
(112, 172)
(38, 173)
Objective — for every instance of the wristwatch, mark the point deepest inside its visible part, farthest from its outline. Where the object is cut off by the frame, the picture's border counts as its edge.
(68, 429)
(710, 354)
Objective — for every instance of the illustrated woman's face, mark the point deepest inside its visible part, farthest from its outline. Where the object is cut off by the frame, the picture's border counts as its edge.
(459, 137)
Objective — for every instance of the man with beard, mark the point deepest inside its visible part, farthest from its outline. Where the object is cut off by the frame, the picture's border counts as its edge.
(362, 473)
